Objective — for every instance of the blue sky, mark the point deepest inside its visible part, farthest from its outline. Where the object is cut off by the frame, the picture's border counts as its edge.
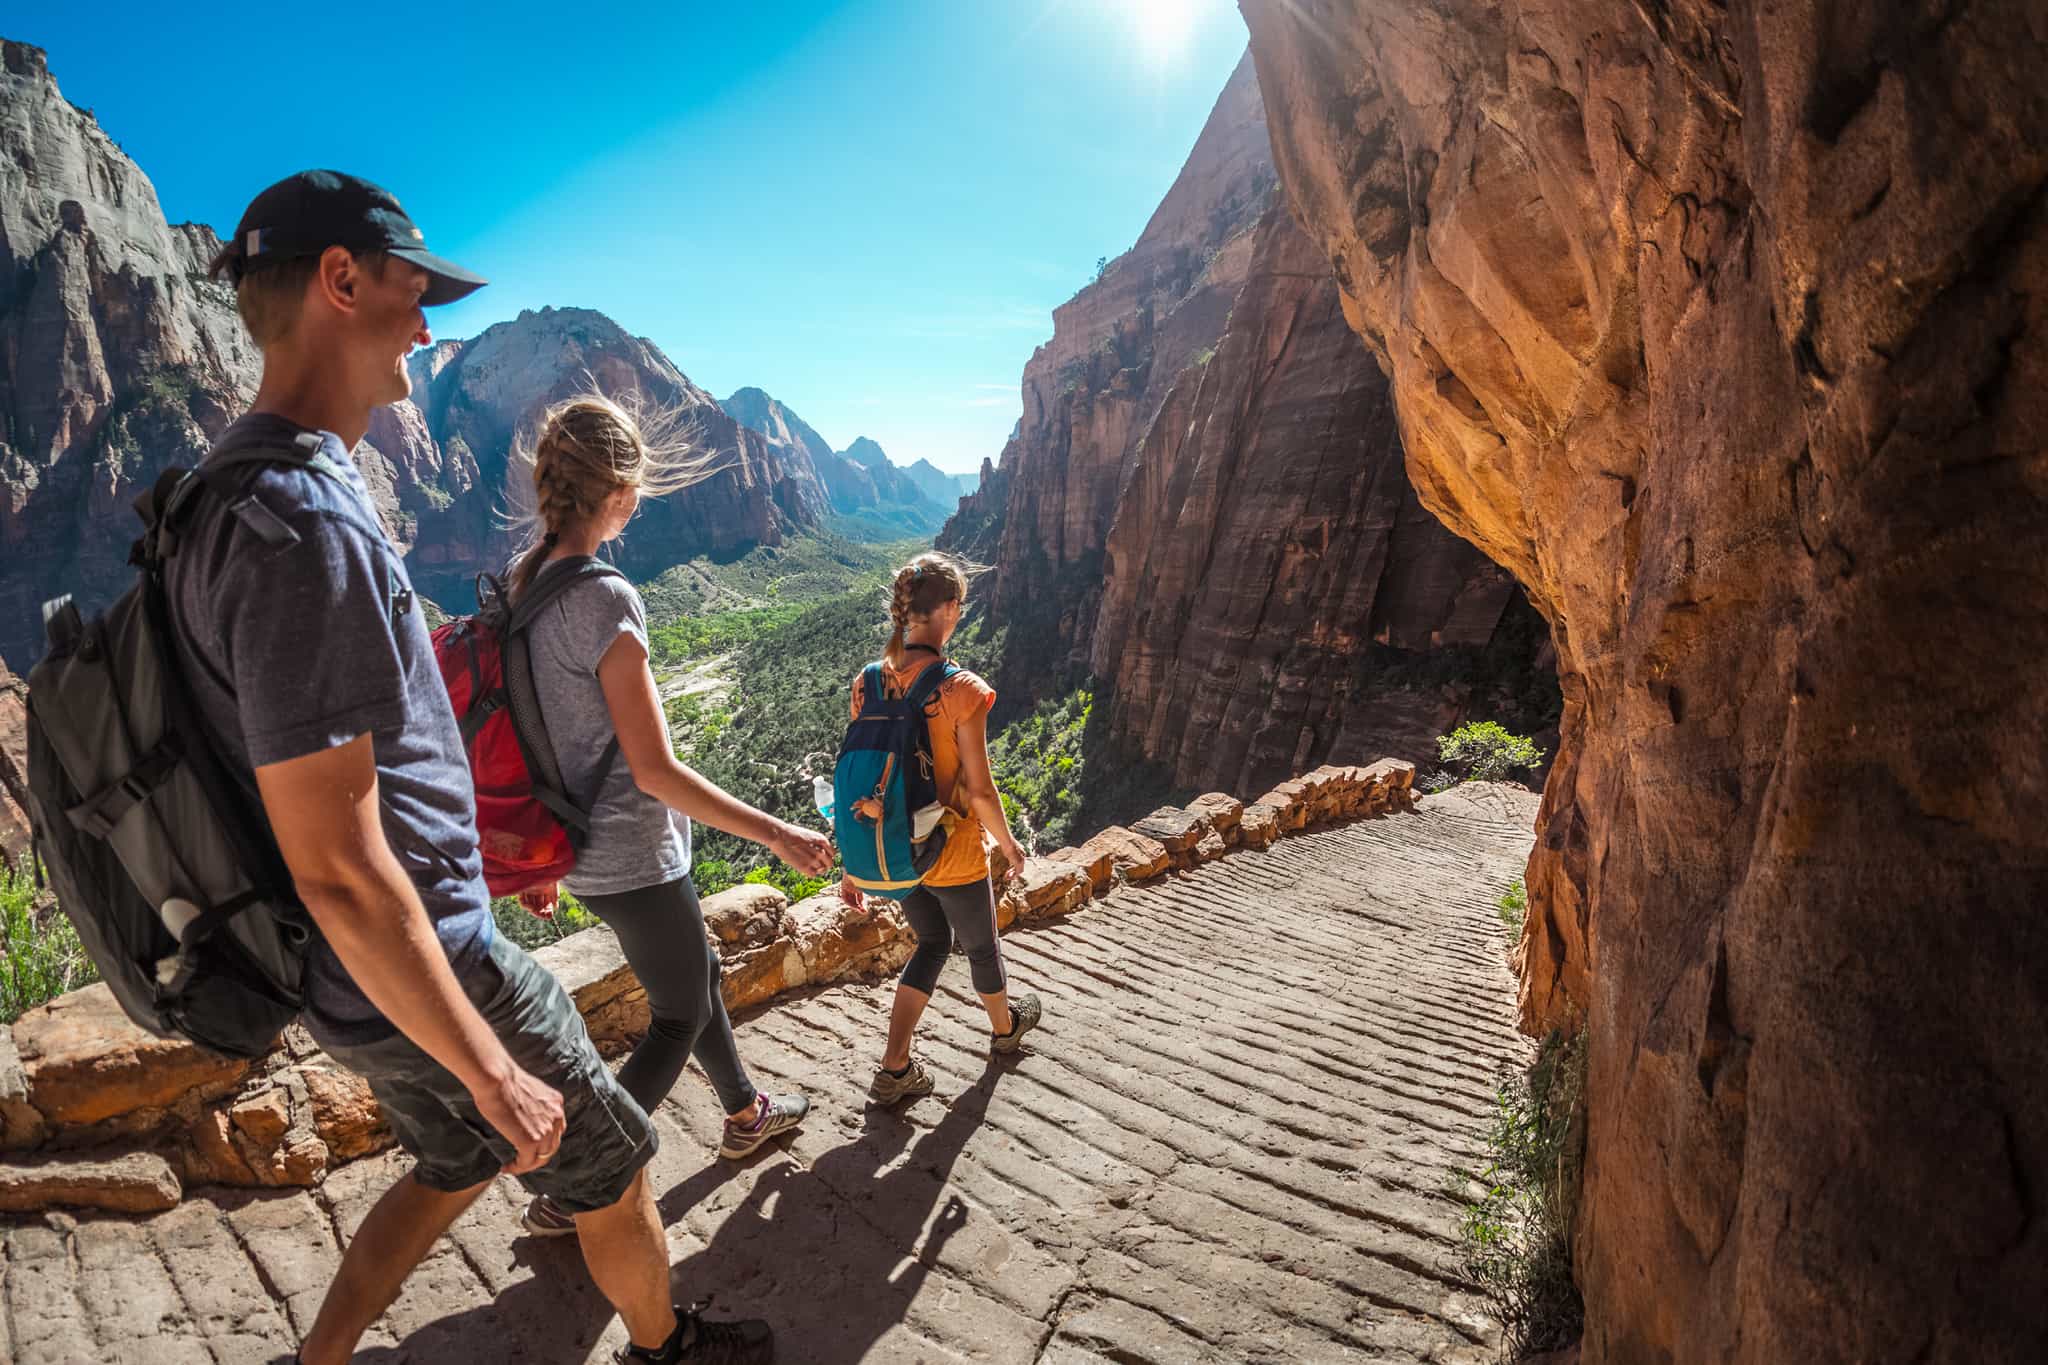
(867, 209)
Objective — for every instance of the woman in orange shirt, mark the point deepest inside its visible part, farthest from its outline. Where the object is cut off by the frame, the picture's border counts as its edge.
(957, 896)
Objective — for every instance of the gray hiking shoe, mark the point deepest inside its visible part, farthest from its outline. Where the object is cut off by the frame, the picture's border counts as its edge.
(779, 1114)
(1025, 1012)
(887, 1089)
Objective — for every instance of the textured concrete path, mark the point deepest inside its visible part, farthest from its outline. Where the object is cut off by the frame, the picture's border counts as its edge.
(1228, 1143)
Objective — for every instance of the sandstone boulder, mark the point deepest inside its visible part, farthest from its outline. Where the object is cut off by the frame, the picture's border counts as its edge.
(1260, 826)
(1100, 864)
(263, 1118)
(139, 1182)
(592, 968)
(21, 1123)
(761, 974)
(1208, 848)
(838, 942)
(1222, 811)
(1050, 887)
(1289, 801)
(210, 1154)
(1131, 855)
(1176, 830)
(346, 1115)
(750, 913)
(84, 1062)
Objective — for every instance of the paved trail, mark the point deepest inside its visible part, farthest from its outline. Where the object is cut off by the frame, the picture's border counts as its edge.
(1227, 1144)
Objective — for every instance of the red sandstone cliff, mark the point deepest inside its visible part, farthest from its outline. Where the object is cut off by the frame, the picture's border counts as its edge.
(1726, 329)
(1204, 503)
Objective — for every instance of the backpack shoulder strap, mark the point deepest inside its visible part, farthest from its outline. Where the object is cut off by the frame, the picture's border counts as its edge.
(871, 687)
(929, 682)
(553, 581)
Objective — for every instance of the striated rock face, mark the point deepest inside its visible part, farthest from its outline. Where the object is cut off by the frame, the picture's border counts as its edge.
(1724, 329)
(13, 765)
(1204, 504)
(117, 356)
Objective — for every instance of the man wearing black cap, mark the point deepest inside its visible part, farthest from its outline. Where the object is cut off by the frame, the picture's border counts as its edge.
(299, 633)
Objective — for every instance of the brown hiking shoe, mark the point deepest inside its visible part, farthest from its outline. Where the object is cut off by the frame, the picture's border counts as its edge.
(887, 1088)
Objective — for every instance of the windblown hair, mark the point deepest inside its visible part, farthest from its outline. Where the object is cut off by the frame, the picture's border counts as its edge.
(589, 447)
(270, 298)
(921, 587)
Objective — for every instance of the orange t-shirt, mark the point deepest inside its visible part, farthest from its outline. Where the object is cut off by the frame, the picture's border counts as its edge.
(959, 700)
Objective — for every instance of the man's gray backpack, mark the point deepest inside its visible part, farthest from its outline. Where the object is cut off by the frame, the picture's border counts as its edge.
(158, 853)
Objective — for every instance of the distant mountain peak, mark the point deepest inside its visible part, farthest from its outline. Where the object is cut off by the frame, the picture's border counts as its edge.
(866, 454)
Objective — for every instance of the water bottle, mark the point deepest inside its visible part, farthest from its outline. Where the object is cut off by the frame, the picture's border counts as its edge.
(821, 796)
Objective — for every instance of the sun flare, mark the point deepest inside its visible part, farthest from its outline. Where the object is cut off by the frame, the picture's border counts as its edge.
(1161, 25)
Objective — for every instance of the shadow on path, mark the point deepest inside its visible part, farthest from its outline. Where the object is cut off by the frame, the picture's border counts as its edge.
(831, 1254)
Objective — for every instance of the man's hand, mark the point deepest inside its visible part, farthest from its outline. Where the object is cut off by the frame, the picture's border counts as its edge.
(540, 901)
(806, 850)
(850, 893)
(527, 1113)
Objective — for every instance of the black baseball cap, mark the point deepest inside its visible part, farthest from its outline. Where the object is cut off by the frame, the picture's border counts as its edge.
(304, 214)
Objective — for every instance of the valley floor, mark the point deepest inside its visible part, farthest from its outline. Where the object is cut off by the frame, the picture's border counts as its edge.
(1229, 1142)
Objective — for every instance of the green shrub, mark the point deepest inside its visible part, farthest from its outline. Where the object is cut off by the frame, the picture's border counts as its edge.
(1039, 764)
(1487, 751)
(530, 931)
(1514, 904)
(1516, 1235)
(40, 955)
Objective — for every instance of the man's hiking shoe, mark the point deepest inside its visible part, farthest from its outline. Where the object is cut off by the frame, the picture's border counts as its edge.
(697, 1342)
(544, 1218)
(779, 1114)
(888, 1088)
(1025, 1012)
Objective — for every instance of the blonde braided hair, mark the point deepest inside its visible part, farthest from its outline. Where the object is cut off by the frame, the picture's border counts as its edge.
(589, 447)
(920, 588)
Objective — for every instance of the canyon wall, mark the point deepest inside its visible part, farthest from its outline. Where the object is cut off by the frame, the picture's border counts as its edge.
(1722, 327)
(1204, 506)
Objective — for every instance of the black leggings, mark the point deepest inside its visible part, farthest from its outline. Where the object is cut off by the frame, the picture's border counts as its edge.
(661, 930)
(936, 914)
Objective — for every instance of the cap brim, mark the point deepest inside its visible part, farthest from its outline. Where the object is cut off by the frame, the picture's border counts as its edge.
(446, 281)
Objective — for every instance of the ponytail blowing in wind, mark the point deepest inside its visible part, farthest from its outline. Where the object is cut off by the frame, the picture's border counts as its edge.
(921, 587)
(588, 448)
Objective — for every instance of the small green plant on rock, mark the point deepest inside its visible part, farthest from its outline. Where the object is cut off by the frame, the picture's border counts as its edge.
(1487, 751)
(1516, 1233)
(530, 931)
(40, 955)
(1514, 904)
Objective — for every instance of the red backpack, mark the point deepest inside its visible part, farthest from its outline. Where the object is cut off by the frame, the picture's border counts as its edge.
(528, 827)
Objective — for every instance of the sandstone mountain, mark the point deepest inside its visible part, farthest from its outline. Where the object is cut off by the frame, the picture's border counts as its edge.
(474, 402)
(939, 486)
(1725, 327)
(1204, 503)
(119, 358)
(861, 482)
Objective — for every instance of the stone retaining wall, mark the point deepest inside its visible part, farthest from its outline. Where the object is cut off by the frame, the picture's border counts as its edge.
(96, 1113)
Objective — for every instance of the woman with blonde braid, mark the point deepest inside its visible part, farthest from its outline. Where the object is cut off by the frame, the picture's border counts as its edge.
(957, 896)
(592, 463)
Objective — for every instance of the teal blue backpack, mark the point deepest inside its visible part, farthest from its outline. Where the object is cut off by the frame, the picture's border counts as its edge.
(886, 814)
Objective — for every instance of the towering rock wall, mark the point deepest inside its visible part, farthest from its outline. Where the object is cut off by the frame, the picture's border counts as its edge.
(1726, 329)
(117, 355)
(1204, 504)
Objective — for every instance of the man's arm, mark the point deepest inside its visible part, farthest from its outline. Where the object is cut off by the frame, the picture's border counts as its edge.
(323, 809)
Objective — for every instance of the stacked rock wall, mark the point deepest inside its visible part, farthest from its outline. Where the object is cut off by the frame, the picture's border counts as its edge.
(95, 1113)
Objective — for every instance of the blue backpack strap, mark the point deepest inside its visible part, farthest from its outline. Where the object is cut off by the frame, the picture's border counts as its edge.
(871, 689)
(929, 682)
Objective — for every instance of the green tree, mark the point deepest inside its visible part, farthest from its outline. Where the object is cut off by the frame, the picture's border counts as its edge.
(1487, 751)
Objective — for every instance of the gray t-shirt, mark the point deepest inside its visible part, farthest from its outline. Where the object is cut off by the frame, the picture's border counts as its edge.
(635, 840)
(297, 647)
